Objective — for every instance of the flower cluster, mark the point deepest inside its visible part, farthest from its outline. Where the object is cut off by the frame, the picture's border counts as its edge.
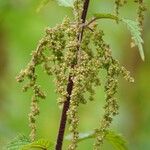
(29, 73)
(78, 8)
(113, 69)
(84, 77)
(66, 55)
(118, 4)
(141, 10)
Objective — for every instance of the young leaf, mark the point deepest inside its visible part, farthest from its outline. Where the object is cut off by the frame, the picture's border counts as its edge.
(66, 3)
(116, 140)
(42, 4)
(135, 30)
(17, 143)
(41, 144)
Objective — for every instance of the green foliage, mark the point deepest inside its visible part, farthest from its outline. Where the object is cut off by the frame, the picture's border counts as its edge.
(41, 144)
(82, 136)
(135, 30)
(66, 3)
(18, 143)
(115, 139)
(68, 55)
(105, 16)
(133, 27)
(21, 142)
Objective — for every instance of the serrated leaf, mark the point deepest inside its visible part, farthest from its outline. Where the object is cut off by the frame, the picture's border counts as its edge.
(17, 143)
(133, 27)
(42, 4)
(116, 140)
(66, 3)
(135, 30)
(39, 144)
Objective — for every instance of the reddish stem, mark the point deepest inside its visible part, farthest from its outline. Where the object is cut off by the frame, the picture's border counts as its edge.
(63, 119)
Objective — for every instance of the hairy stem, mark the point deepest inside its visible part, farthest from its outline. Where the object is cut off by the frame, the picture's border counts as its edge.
(63, 119)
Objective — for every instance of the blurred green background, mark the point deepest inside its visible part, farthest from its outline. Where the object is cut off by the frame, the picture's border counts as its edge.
(21, 27)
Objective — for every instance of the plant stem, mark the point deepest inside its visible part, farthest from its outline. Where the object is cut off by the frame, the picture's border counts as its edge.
(103, 16)
(64, 116)
(63, 119)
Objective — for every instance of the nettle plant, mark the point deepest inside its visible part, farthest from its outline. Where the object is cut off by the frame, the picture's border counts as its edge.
(74, 52)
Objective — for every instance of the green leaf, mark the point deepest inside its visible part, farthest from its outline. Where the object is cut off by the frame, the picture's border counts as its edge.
(135, 30)
(42, 4)
(116, 140)
(66, 3)
(105, 16)
(133, 27)
(17, 143)
(82, 136)
(40, 144)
